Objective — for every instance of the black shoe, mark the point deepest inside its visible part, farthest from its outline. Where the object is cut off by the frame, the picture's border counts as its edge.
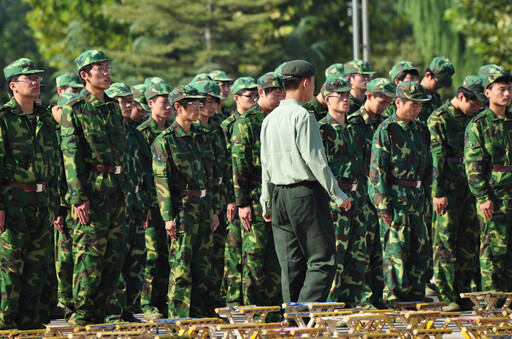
(129, 317)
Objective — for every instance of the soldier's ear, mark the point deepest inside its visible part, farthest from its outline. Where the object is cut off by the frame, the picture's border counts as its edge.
(261, 92)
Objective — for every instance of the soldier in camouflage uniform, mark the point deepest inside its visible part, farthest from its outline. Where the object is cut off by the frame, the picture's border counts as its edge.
(224, 82)
(455, 224)
(358, 73)
(95, 157)
(68, 82)
(401, 71)
(156, 271)
(140, 109)
(261, 270)
(29, 170)
(344, 149)
(487, 155)
(187, 191)
(245, 95)
(400, 177)
(379, 94)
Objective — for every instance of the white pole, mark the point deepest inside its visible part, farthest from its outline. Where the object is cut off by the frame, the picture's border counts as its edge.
(366, 31)
(355, 28)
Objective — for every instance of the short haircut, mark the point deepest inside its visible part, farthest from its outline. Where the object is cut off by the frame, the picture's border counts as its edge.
(9, 80)
(86, 69)
(65, 87)
(291, 83)
(403, 74)
(243, 90)
(500, 81)
(269, 90)
(378, 94)
(469, 95)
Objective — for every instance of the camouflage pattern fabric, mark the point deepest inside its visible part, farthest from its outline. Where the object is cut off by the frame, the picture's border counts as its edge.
(64, 263)
(69, 79)
(429, 107)
(90, 57)
(313, 106)
(20, 66)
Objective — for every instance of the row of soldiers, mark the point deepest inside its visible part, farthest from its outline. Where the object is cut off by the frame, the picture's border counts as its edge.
(155, 191)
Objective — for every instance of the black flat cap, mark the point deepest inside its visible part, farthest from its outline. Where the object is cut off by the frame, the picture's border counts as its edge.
(298, 68)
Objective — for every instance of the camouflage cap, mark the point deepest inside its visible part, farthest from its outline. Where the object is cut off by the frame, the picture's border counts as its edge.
(335, 84)
(219, 75)
(279, 69)
(298, 68)
(381, 85)
(269, 80)
(485, 70)
(90, 57)
(334, 69)
(64, 98)
(162, 88)
(497, 75)
(21, 66)
(411, 90)
(400, 67)
(443, 70)
(208, 87)
(200, 77)
(69, 79)
(149, 82)
(138, 95)
(118, 89)
(243, 83)
(476, 85)
(185, 92)
(357, 67)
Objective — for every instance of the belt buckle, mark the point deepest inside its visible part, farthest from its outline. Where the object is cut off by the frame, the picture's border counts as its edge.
(118, 169)
(418, 184)
(203, 193)
(354, 187)
(39, 187)
(136, 189)
(220, 180)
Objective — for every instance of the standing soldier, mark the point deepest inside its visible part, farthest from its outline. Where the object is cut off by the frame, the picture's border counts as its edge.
(487, 154)
(261, 271)
(187, 190)
(455, 224)
(358, 73)
(140, 110)
(400, 175)
(68, 82)
(156, 272)
(95, 158)
(401, 71)
(29, 170)
(224, 82)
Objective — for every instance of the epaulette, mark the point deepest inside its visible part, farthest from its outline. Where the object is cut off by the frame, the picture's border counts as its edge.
(479, 116)
(143, 125)
(323, 121)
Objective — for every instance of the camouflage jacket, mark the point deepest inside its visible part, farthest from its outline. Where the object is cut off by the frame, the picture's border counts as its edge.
(344, 148)
(316, 108)
(246, 156)
(63, 184)
(28, 156)
(355, 105)
(222, 158)
(368, 127)
(488, 143)
(93, 134)
(227, 128)
(447, 125)
(150, 131)
(390, 110)
(184, 161)
(429, 107)
(400, 152)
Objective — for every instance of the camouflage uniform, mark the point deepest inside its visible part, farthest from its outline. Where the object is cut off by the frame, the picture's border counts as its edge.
(315, 107)
(94, 151)
(487, 155)
(187, 185)
(398, 68)
(29, 170)
(400, 175)
(352, 68)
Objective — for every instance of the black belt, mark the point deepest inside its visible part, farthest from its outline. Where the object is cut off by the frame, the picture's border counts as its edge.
(455, 160)
(26, 187)
(408, 183)
(106, 169)
(193, 193)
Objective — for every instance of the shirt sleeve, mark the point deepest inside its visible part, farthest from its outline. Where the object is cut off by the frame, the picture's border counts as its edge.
(162, 173)
(379, 167)
(438, 150)
(267, 188)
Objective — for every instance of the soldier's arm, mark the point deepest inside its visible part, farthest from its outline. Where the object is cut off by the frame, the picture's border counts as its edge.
(56, 173)
(242, 160)
(477, 160)
(147, 175)
(162, 174)
(379, 168)
(437, 141)
(3, 154)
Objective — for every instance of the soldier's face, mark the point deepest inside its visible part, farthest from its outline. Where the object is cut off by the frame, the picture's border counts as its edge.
(99, 76)
(272, 99)
(469, 107)
(138, 113)
(359, 81)
(126, 104)
(225, 86)
(499, 94)
(378, 104)
(27, 85)
(408, 110)
(338, 102)
(160, 106)
(246, 99)
(190, 112)
(209, 108)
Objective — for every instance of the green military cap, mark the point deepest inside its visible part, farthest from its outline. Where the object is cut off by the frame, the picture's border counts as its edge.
(269, 80)
(411, 90)
(336, 84)
(476, 85)
(279, 69)
(138, 95)
(162, 88)
(443, 70)
(21, 66)
(149, 82)
(357, 67)
(118, 89)
(219, 75)
(208, 87)
(381, 85)
(497, 75)
(334, 69)
(64, 98)
(90, 57)
(243, 83)
(484, 71)
(185, 92)
(400, 67)
(69, 79)
(200, 77)
(298, 68)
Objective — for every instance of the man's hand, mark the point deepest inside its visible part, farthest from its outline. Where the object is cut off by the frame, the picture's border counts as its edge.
(82, 212)
(440, 204)
(245, 214)
(59, 224)
(231, 211)
(388, 219)
(216, 222)
(267, 219)
(487, 209)
(170, 227)
(2, 221)
(345, 205)
(148, 218)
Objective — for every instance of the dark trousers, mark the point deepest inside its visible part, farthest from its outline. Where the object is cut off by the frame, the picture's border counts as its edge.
(304, 240)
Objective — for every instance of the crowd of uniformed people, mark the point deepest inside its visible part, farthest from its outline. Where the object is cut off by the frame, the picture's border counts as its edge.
(155, 199)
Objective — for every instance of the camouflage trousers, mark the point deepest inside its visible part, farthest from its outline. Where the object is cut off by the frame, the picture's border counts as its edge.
(49, 298)
(190, 261)
(351, 255)
(24, 252)
(156, 270)
(232, 281)
(98, 253)
(214, 297)
(496, 247)
(261, 272)
(456, 244)
(64, 264)
(406, 250)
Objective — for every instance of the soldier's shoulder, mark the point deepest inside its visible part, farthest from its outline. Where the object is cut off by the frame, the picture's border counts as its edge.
(479, 117)
(322, 122)
(356, 119)
(143, 126)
